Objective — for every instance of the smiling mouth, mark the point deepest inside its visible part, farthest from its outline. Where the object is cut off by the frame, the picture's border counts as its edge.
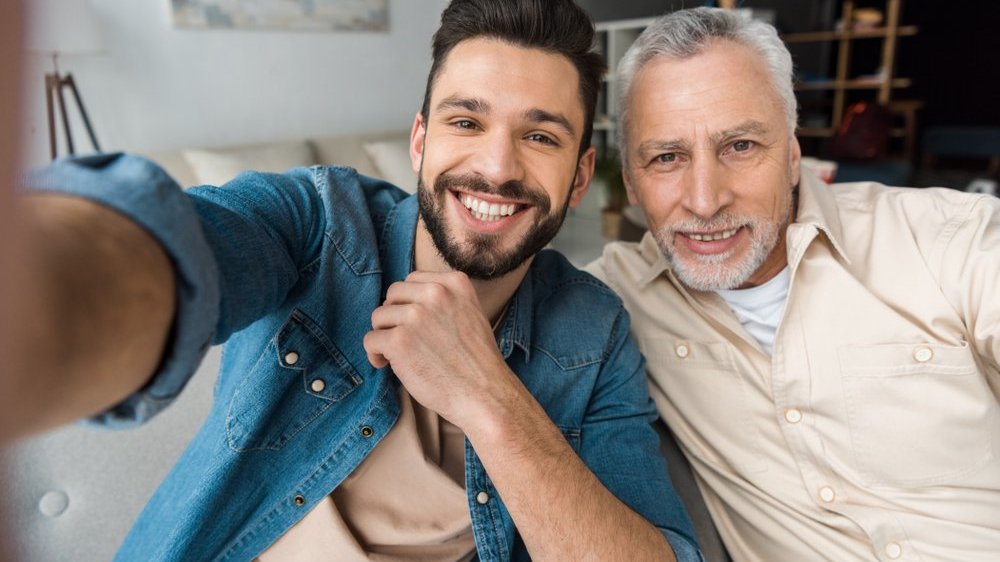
(713, 236)
(487, 211)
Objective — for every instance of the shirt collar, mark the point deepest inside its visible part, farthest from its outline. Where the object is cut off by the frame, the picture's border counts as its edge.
(516, 327)
(816, 207)
(398, 241)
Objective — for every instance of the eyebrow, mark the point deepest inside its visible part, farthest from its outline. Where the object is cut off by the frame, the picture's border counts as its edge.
(477, 105)
(750, 127)
(746, 128)
(474, 105)
(542, 116)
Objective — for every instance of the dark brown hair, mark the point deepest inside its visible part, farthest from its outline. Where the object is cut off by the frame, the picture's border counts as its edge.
(555, 26)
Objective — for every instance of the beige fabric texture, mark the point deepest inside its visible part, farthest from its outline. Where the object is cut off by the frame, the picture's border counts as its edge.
(215, 167)
(874, 431)
(392, 158)
(405, 503)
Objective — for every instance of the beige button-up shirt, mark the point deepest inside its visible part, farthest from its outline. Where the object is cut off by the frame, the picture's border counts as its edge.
(873, 433)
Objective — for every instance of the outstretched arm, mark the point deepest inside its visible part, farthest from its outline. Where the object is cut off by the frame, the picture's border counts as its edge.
(94, 309)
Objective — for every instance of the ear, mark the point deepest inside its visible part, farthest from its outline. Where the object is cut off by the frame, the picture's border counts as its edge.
(584, 173)
(795, 160)
(417, 135)
(629, 190)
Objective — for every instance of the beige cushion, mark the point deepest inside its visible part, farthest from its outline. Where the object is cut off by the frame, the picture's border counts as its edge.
(348, 150)
(216, 167)
(392, 158)
(174, 163)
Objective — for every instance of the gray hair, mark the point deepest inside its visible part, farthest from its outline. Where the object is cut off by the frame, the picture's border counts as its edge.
(686, 33)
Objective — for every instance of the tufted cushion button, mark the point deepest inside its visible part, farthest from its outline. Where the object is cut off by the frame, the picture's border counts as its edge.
(53, 504)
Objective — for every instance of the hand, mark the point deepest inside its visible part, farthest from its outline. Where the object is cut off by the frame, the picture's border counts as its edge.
(433, 333)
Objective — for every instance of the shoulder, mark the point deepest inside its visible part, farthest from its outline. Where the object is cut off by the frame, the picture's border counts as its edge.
(574, 307)
(628, 267)
(920, 208)
(557, 281)
(344, 198)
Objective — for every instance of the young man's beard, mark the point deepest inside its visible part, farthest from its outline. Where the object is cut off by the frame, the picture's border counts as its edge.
(484, 257)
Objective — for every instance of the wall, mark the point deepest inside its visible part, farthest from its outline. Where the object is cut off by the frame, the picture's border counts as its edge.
(159, 87)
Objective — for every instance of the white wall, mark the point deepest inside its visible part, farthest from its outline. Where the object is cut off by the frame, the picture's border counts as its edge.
(158, 87)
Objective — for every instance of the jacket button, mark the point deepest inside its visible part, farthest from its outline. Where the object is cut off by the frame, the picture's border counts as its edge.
(483, 498)
(299, 500)
(367, 431)
(291, 358)
(317, 385)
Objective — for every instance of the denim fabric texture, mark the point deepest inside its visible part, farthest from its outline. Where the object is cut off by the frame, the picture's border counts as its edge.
(278, 263)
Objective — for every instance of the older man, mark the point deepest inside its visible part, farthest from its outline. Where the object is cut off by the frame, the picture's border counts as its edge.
(826, 357)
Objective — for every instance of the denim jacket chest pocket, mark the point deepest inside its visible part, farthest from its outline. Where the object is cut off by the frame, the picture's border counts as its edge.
(300, 375)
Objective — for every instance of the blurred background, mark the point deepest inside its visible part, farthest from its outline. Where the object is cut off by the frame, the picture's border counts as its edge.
(899, 91)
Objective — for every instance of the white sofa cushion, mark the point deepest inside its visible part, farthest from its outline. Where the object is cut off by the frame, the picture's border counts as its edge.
(217, 166)
(392, 158)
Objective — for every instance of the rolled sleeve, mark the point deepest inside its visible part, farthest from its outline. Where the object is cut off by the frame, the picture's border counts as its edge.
(143, 192)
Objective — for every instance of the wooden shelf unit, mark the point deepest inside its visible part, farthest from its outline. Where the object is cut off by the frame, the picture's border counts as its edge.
(843, 81)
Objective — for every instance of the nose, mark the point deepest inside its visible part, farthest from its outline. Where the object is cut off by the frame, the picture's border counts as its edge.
(707, 188)
(498, 159)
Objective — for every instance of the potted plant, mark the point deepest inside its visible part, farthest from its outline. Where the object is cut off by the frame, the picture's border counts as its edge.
(608, 171)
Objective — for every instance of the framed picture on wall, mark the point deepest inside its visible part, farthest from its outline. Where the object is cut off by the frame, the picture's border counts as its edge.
(292, 15)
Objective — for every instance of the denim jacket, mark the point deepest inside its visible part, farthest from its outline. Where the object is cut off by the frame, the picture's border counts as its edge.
(286, 269)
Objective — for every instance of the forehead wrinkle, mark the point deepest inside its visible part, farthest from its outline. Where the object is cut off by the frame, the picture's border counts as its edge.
(751, 127)
(541, 116)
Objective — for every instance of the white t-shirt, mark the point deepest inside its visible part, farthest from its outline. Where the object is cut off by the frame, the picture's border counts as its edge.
(759, 308)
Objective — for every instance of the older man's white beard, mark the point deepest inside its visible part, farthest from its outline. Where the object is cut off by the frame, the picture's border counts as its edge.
(710, 272)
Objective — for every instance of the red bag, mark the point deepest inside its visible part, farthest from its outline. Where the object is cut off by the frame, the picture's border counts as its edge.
(863, 132)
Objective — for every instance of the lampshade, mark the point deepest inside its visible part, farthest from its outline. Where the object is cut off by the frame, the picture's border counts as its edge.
(61, 27)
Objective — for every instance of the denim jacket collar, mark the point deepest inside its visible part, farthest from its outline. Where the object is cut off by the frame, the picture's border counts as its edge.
(398, 242)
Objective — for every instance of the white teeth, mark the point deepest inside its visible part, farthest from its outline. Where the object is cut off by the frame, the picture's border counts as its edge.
(487, 211)
(714, 236)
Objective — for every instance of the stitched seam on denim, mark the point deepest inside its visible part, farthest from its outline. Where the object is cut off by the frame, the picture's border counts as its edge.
(614, 325)
(239, 390)
(568, 367)
(320, 178)
(301, 319)
(328, 345)
(314, 476)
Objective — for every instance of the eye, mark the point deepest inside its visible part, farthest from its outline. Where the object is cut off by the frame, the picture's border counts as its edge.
(543, 139)
(666, 158)
(465, 124)
(742, 145)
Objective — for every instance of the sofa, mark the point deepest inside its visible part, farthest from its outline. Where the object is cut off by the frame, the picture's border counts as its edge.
(73, 493)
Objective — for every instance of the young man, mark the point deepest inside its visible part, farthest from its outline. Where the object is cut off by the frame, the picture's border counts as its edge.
(404, 378)
(827, 357)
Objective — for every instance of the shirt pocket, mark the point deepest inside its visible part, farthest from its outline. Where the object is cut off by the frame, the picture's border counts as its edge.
(918, 414)
(298, 377)
(704, 384)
